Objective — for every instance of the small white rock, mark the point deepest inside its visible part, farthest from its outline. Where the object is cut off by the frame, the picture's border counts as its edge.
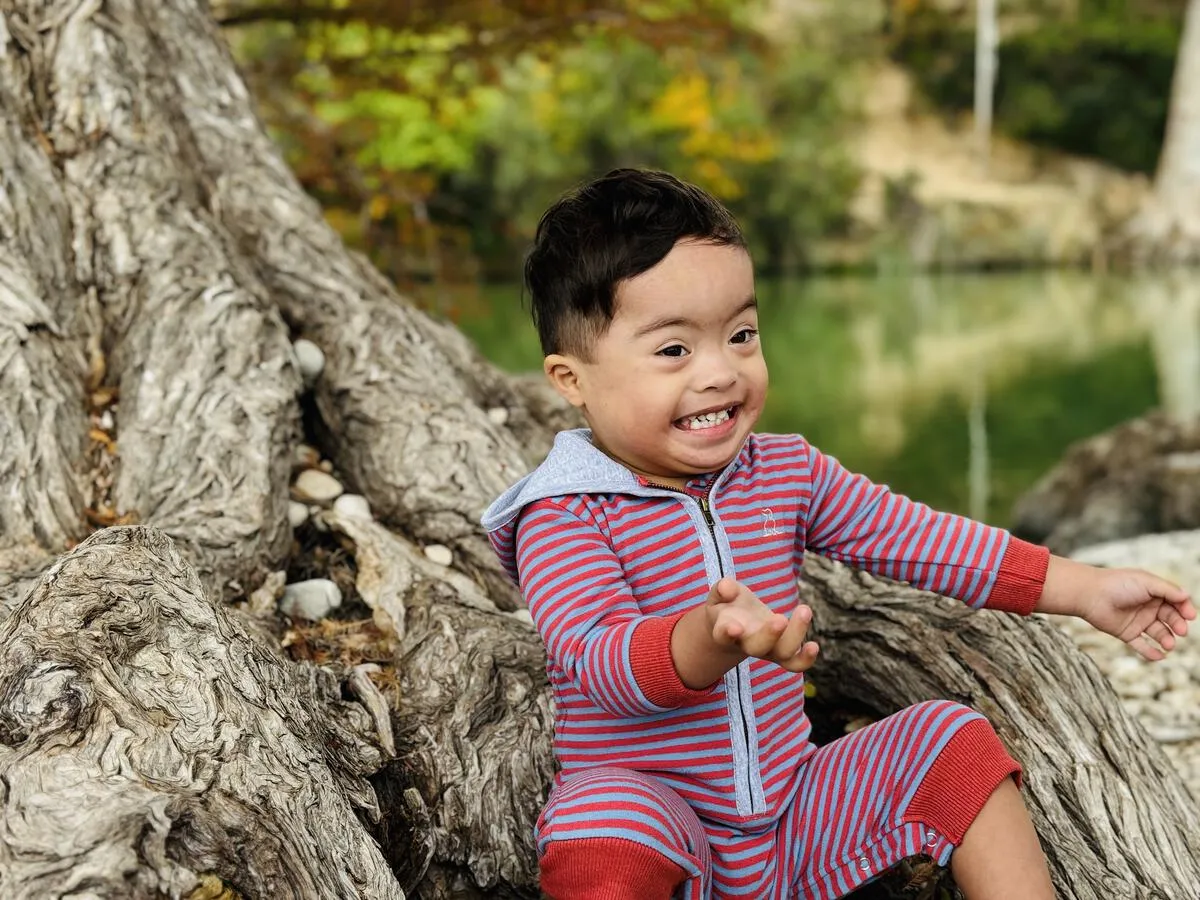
(305, 457)
(106, 420)
(1136, 689)
(439, 554)
(354, 506)
(1125, 667)
(309, 359)
(498, 415)
(297, 513)
(263, 599)
(312, 599)
(317, 486)
(1178, 702)
(1177, 676)
(523, 614)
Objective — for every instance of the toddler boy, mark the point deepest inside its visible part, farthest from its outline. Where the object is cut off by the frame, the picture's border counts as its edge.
(658, 551)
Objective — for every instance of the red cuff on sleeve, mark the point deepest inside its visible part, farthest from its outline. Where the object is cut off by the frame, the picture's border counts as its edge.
(653, 668)
(1021, 578)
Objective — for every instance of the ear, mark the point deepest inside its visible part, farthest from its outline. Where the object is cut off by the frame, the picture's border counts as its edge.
(563, 372)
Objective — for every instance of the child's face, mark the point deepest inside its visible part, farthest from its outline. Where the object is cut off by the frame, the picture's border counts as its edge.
(683, 342)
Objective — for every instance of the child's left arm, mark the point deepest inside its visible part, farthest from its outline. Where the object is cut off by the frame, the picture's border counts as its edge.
(866, 525)
(1143, 610)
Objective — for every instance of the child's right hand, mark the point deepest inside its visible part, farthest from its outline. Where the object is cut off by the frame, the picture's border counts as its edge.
(739, 619)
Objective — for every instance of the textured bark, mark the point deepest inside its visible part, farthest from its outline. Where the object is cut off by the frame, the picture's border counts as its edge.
(406, 397)
(140, 726)
(188, 337)
(155, 251)
(1115, 819)
(157, 257)
(42, 360)
(473, 712)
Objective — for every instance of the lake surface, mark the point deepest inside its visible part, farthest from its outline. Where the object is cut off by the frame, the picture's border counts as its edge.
(957, 390)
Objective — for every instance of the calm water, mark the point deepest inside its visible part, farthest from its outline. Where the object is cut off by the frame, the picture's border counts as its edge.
(958, 390)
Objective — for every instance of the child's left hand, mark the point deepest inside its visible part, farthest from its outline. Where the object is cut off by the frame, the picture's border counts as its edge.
(1143, 610)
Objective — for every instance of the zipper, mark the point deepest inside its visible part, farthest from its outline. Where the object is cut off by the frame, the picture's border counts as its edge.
(706, 510)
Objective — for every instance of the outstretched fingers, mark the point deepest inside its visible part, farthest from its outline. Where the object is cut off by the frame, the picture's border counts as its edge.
(793, 652)
(761, 640)
(1180, 600)
(1170, 618)
(804, 659)
(1147, 649)
(1161, 634)
(753, 636)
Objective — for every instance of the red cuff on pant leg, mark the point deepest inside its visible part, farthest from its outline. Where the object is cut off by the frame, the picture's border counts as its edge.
(961, 780)
(607, 869)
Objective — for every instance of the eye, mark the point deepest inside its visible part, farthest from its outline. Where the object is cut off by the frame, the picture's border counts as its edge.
(745, 336)
(673, 351)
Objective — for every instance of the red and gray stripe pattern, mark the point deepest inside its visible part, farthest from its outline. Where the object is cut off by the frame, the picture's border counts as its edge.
(606, 563)
(853, 815)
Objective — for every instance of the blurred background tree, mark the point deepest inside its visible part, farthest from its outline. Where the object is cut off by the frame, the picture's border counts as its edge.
(434, 134)
(1091, 77)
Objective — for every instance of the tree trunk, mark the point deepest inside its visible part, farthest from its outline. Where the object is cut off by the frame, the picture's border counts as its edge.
(1168, 229)
(158, 260)
(986, 59)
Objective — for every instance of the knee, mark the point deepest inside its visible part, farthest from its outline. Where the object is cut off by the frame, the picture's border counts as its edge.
(946, 710)
(611, 834)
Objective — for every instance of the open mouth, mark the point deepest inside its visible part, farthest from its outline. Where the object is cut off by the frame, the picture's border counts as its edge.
(707, 420)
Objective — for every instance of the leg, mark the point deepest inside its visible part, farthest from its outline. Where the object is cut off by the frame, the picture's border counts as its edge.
(614, 834)
(1000, 856)
(912, 783)
(997, 853)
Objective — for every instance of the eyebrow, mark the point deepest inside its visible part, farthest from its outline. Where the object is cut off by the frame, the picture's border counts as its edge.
(683, 321)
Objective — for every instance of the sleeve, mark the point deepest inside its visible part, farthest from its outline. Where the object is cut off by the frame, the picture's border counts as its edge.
(855, 521)
(593, 629)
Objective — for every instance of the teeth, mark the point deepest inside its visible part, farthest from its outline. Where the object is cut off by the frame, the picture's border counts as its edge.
(708, 420)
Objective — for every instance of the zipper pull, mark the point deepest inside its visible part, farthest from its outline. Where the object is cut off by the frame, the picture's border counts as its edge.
(704, 509)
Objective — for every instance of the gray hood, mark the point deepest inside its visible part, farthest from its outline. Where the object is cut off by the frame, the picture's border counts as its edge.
(574, 465)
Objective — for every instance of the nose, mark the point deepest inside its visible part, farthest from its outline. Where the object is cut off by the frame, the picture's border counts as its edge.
(717, 371)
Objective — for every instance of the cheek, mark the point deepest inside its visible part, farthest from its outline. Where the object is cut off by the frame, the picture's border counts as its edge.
(757, 373)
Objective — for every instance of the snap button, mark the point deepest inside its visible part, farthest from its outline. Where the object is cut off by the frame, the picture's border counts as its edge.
(864, 864)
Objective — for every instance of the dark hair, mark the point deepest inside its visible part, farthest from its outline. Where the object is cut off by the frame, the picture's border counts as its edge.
(605, 232)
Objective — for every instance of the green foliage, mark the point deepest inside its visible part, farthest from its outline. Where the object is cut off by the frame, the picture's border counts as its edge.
(434, 143)
(378, 105)
(759, 128)
(1097, 86)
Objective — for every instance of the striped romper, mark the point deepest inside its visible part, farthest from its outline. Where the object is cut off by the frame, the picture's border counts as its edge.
(720, 792)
